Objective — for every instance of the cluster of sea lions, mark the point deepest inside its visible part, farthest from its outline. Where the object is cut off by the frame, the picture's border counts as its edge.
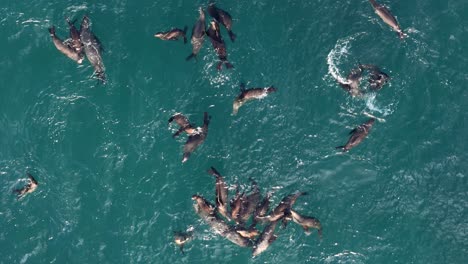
(199, 31)
(81, 41)
(245, 207)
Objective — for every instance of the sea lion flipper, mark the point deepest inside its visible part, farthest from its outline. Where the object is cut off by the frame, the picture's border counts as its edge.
(232, 36)
(185, 34)
(190, 57)
(353, 131)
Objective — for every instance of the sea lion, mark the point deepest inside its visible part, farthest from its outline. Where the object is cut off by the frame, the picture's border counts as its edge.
(357, 135)
(353, 81)
(388, 18)
(250, 94)
(266, 238)
(221, 193)
(222, 17)
(248, 204)
(184, 124)
(65, 49)
(235, 204)
(93, 49)
(28, 188)
(247, 233)
(75, 41)
(180, 238)
(218, 45)
(306, 222)
(198, 34)
(377, 78)
(206, 211)
(197, 139)
(173, 34)
(283, 207)
(261, 210)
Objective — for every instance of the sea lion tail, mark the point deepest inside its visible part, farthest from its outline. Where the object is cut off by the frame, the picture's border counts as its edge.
(190, 57)
(52, 30)
(185, 35)
(232, 36)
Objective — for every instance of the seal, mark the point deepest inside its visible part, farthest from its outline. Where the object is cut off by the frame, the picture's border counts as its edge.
(266, 238)
(388, 18)
(28, 188)
(222, 17)
(75, 41)
(184, 124)
(197, 139)
(218, 45)
(357, 135)
(173, 34)
(93, 49)
(250, 94)
(65, 49)
(221, 193)
(306, 222)
(198, 34)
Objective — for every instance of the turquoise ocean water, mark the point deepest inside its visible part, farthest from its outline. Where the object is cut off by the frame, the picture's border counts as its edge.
(112, 188)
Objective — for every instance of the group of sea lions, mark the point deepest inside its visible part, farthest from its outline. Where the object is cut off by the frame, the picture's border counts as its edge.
(80, 41)
(245, 207)
(199, 31)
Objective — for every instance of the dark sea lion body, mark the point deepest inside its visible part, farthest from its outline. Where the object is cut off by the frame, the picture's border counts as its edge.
(93, 49)
(63, 48)
(173, 34)
(75, 40)
(30, 187)
(184, 124)
(198, 34)
(250, 94)
(387, 17)
(357, 135)
(266, 238)
(218, 44)
(197, 139)
(222, 17)
(221, 193)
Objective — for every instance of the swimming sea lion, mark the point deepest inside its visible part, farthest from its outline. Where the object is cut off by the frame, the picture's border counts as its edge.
(247, 233)
(184, 124)
(248, 204)
(198, 34)
(306, 222)
(283, 207)
(221, 193)
(357, 135)
(218, 45)
(353, 81)
(180, 238)
(65, 49)
(93, 49)
(250, 94)
(235, 204)
(173, 34)
(222, 17)
(75, 41)
(197, 139)
(261, 210)
(266, 238)
(377, 78)
(28, 188)
(203, 207)
(388, 18)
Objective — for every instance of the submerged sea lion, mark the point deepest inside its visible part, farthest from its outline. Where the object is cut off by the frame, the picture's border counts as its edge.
(197, 139)
(388, 18)
(221, 193)
(180, 238)
(306, 222)
(184, 124)
(218, 45)
(65, 49)
(93, 49)
(222, 17)
(75, 41)
(28, 188)
(198, 34)
(357, 135)
(266, 238)
(250, 94)
(173, 34)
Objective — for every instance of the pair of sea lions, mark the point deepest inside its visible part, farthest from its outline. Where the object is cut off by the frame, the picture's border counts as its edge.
(196, 135)
(80, 40)
(377, 79)
(28, 188)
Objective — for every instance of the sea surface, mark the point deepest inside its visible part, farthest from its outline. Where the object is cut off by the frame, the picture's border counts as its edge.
(112, 187)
